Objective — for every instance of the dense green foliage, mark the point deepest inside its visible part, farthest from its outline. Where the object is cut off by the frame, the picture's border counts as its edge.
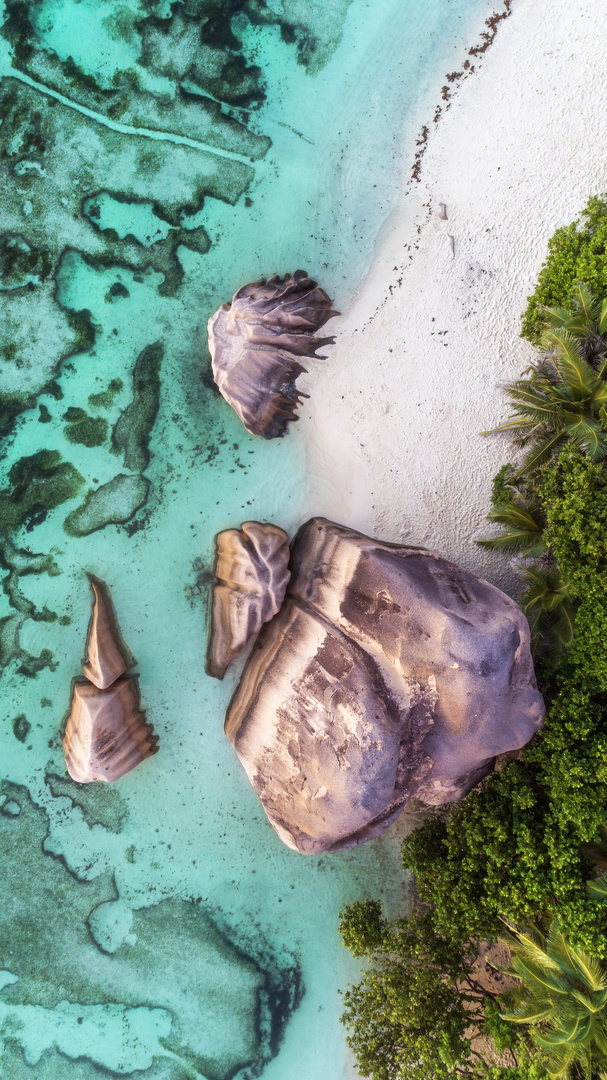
(565, 398)
(419, 1007)
(512, 848)
(523, 847)
(577, 252)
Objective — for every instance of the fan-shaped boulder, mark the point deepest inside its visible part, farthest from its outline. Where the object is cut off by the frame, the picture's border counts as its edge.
(389, 673)
(254, 344)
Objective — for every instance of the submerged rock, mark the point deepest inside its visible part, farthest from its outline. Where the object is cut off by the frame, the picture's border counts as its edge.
(389, 673)
(254, 343)
(252, 572)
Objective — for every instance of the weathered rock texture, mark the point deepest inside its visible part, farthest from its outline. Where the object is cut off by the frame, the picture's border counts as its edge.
(389, 673)
(106, 734)
(106, 654)
(254, 344)
(252, 575)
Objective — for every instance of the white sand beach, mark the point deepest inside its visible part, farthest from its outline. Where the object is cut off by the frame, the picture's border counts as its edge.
(392, 426)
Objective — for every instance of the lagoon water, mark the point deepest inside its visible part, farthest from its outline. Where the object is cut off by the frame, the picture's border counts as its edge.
(154, 158)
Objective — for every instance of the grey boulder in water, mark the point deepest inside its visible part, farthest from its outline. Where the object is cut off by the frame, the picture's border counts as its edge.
(389, 673)
(255, 342)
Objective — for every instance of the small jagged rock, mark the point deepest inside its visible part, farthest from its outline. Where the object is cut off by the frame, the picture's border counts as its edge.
(106, 654)
(252, 575)
(389, 673)
(106, 734)
(254, 344)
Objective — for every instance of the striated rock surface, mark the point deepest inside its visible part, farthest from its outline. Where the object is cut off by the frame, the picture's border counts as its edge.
(106, 734)
(106, 654)
(388, 674)
(254, 344)
(252, 575)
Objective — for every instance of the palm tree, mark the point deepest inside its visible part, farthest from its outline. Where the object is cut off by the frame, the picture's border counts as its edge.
(549, 608)
(565, 397)
(563, 997)
(547, 600)
(587, 321)
(523, 526)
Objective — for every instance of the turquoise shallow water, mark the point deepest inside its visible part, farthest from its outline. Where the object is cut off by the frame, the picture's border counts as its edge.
(154, 158)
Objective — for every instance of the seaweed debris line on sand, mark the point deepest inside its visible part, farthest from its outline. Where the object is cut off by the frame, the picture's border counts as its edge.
(106, 734)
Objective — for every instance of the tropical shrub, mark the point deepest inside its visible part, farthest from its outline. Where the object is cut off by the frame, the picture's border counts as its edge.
(577, 252)
(512, 848)
(521, 846)
(418, 1007)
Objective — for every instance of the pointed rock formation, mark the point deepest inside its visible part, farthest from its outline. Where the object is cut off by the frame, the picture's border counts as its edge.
(106, 734)
(254, 342)
(388, 674)
(106, 654)
(252, 572)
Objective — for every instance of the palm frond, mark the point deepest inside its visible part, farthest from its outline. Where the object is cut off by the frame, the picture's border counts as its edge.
(512, 424)
(562, 628)
(559, 1063)
(585, 302)
(532, 400)
(572, 1031)
(523, 529)
(556, 316)
(587, 433)
(598, 888)
(588, 969)
(531, 545)
(536, 979)
(540, 453)
(528, 1013)
(599, 394)
(600, 1038)
(593, 1001)
(578, 375)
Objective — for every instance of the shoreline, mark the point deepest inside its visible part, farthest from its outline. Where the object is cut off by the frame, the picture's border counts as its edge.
(391, 430)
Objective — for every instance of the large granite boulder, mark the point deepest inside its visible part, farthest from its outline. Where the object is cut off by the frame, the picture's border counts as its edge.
(388, 674)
